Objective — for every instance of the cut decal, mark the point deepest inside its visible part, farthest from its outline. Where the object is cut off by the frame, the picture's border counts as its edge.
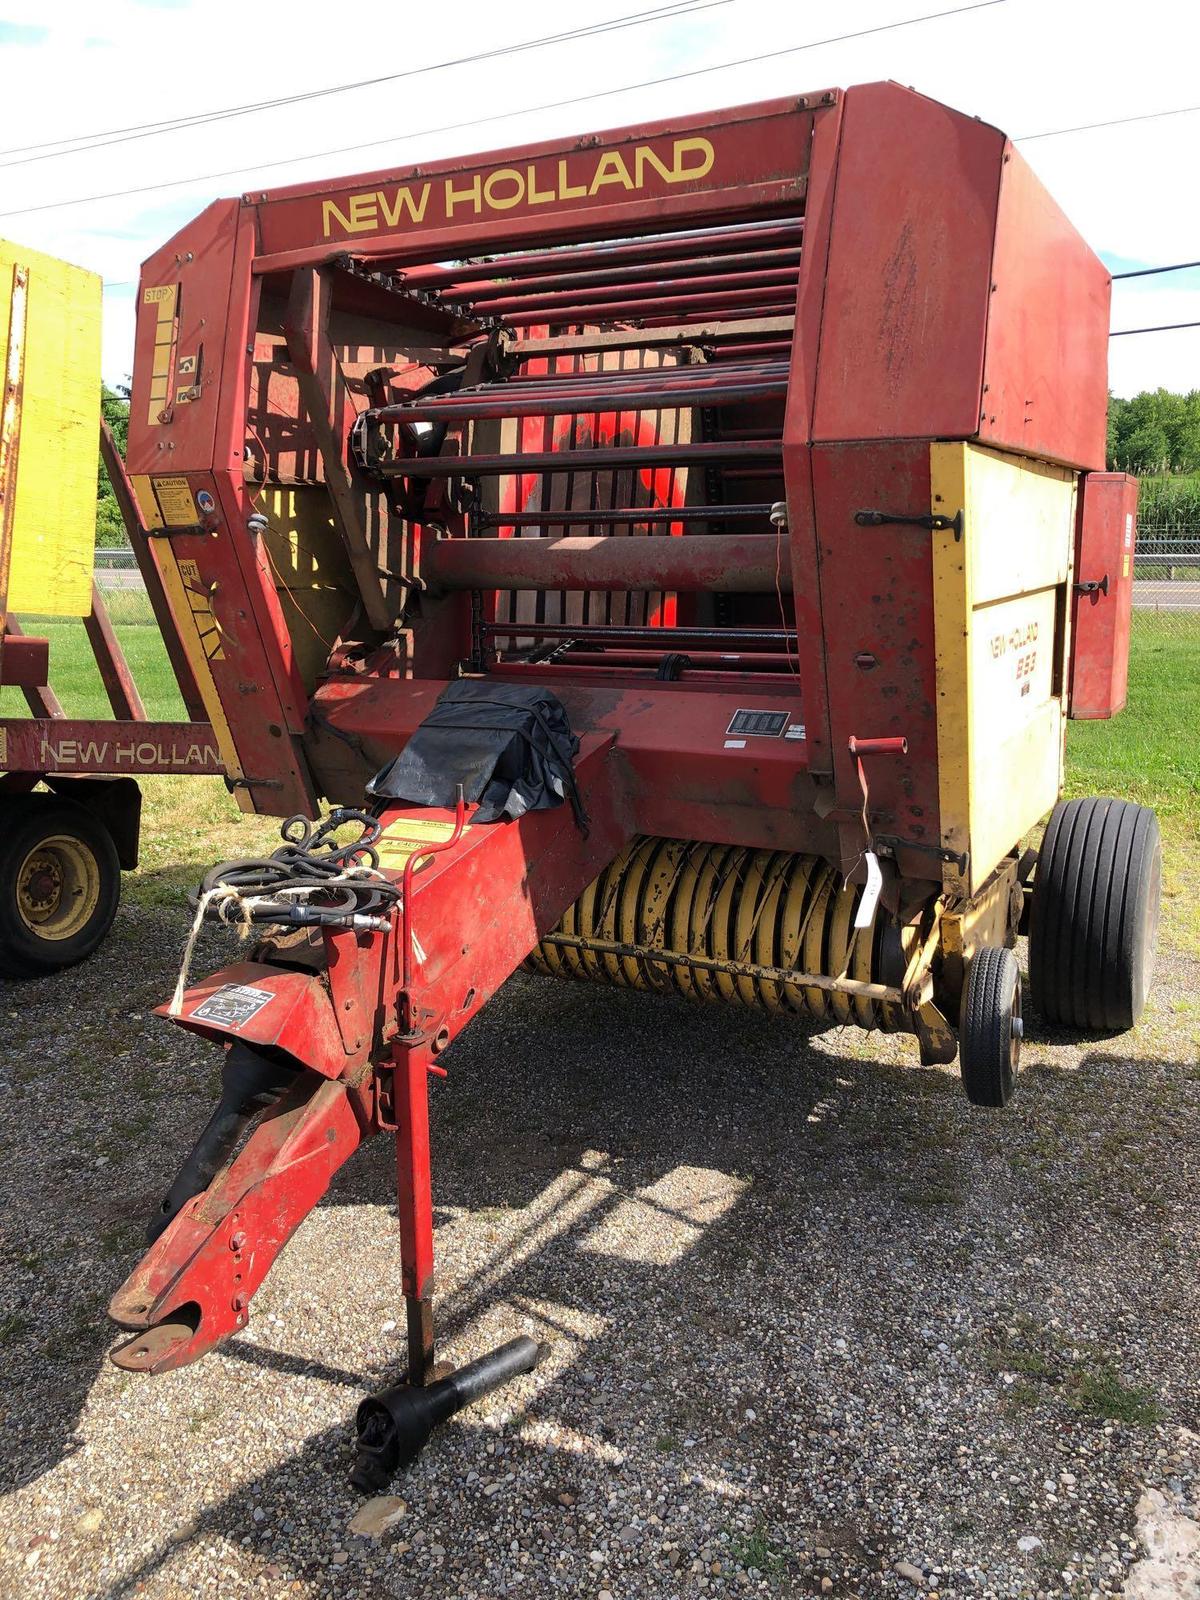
(207, 627)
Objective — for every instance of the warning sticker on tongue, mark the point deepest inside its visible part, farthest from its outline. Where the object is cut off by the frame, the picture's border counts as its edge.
(233, 1005)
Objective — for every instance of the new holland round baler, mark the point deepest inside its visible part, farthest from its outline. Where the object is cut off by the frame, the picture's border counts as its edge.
(681, 549)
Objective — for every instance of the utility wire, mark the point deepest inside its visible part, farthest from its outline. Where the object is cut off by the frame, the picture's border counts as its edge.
(503, 116)
(1149, 272)
(1114, 122)
(1165, 327)
(84, 142)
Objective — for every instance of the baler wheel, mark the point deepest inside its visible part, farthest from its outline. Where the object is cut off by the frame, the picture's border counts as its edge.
(60, 882)
(1094, 917)
(991, 1028)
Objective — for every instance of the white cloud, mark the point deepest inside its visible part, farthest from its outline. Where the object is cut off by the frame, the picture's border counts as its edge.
(1026, 65)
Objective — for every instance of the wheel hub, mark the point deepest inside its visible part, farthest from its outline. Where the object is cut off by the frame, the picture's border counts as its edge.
(58, 887)
(42, 885)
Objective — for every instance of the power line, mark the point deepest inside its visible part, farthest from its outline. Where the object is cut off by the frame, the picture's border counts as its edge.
(503, 116)
(1165, 327)
(83, 143)
(1149, 272)
(1114, 122)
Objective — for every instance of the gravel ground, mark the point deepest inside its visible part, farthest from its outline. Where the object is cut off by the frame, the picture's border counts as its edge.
(816, 1325)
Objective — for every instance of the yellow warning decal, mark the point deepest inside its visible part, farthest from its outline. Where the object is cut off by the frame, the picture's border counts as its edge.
(189, 600)
(175, 499)
(166, 333)
(405, 837)
(207, 627)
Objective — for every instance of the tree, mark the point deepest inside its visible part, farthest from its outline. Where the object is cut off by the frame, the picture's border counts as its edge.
(1146, 449)
(1156, 431)
(110, 525)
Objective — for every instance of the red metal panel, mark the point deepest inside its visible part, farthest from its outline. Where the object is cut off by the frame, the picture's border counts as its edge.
(877, 603)
(26, 662)
(906, 298)
(200, 261)
(1046, 370)
(1104, 550)
(684, 780)
(298, 1016)
(798, 433)
(722, 164)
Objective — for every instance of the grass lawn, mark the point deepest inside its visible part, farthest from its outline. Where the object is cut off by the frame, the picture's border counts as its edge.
(1149, 753)
(76, 679)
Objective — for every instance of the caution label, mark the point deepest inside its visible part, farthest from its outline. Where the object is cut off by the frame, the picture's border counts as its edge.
(404, 838)
(175, 501)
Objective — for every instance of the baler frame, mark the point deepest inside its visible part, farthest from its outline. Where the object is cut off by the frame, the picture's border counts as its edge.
(783, 730)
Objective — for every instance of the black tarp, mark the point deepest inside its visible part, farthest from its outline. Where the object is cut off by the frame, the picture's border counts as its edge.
(510, 747)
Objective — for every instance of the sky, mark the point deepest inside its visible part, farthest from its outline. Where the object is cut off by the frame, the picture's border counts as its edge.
(1031, 67)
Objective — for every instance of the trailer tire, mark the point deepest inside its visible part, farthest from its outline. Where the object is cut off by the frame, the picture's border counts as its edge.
(1094, 919)
(990, 1027)
(60, 882)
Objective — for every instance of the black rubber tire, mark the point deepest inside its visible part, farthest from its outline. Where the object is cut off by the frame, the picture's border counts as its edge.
(25, 822)
(1094, 924)
(990, 1027)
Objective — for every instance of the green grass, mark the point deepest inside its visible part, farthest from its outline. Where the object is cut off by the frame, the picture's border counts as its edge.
(1151, 753)
(76, 679)
(1100, 1394)
(757, 1550)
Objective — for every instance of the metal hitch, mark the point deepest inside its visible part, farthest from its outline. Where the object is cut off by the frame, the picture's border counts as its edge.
(251, 1081)
(394, 1425)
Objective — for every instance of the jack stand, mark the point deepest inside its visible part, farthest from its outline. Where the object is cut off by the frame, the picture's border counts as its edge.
(394, 1426)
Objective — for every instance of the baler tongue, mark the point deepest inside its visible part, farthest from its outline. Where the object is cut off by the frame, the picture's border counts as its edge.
(325, 1059)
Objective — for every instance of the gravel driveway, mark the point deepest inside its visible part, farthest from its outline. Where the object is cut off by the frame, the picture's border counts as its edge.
(817, 1326)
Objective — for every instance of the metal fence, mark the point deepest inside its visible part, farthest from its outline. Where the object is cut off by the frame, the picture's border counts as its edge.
(120, 582)
(1166, 579)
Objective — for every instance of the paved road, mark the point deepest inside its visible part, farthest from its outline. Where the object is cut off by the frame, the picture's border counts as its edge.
(1160, 594)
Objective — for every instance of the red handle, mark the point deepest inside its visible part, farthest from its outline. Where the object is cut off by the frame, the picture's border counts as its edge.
(878, 747)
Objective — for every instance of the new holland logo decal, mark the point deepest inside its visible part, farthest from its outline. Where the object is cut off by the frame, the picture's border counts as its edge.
(551, 181)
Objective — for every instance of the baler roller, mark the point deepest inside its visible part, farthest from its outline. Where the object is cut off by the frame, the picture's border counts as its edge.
(676, 638)
(620, 514)
(500, 304)
(770, 930)
(743, 563)
(532, 462)
(768, 235)
(668, 307)
(563, 399)
(477, 291)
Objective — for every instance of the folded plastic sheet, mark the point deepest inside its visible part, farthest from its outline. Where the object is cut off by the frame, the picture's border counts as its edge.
(510, 747)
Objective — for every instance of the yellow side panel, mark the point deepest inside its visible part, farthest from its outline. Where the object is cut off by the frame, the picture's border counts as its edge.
(1000, 639)
(54, 526)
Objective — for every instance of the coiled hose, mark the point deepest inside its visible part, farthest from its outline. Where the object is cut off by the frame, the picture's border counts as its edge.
(310, 878)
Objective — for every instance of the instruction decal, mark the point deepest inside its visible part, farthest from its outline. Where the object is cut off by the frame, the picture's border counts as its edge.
(758, 724)
(233, 1005)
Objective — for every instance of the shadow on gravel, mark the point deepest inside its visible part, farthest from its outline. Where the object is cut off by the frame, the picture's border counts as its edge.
(548, 1076)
